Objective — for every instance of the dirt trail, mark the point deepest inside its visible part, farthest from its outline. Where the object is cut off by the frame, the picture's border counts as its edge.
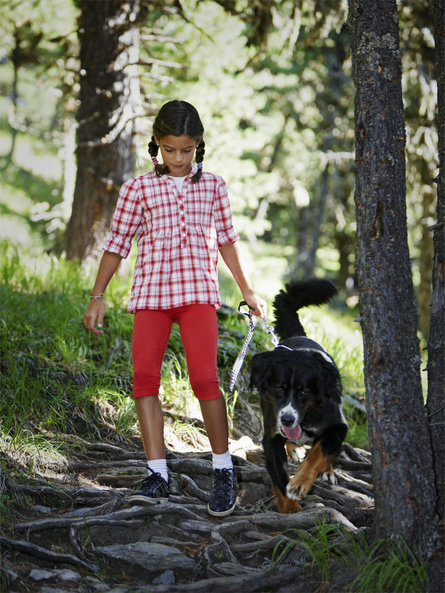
(84, 536)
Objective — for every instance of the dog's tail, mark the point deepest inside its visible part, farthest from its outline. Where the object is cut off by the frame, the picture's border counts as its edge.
(295, 296)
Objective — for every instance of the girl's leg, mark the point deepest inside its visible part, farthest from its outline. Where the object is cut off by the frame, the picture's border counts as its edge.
(151, 425)
(199, 332)
(214, 414)
(150, 337)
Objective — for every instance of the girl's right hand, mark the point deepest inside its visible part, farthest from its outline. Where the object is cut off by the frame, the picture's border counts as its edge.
(94, 314)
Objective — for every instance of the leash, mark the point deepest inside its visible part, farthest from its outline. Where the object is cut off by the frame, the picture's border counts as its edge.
(241, 356)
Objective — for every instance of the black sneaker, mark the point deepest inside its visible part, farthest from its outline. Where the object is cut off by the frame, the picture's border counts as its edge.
(223, 498)
(153, 490)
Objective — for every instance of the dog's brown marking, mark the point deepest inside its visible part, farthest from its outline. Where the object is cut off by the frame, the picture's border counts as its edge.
(285, 504)
(290, 449)
(314, 464)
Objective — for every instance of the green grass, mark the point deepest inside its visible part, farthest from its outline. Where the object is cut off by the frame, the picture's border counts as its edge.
(389, 567)
(383, 566)
(59, 379)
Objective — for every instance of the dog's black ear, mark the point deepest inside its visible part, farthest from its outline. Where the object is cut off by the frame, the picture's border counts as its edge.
(328, 380)
(261, 369)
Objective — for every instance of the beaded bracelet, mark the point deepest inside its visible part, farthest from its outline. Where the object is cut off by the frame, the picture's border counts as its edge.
(97, 296)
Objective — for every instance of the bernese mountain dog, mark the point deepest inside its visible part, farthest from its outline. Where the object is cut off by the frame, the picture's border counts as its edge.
(300, 390)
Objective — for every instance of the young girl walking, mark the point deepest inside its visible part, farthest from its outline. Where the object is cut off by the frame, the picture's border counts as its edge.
(182, 218)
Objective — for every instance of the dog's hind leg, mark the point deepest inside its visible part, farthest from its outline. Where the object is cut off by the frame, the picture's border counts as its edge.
(314, 465)
(294, 452)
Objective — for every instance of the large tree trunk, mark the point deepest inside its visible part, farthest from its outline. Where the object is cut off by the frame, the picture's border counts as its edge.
(109, 90)
(398, 430)
(436, 345)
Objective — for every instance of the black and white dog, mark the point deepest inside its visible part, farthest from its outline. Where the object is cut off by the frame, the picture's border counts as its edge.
(300, 390)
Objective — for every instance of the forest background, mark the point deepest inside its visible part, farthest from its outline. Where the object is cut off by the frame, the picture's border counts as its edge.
(278, 119)
(274, 89)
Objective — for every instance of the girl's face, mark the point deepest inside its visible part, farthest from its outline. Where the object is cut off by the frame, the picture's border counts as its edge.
(177, 153)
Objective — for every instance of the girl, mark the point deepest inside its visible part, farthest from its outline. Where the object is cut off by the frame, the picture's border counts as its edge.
(182, 218)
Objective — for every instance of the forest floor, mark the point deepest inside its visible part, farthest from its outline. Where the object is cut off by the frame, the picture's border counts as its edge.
(72, 530)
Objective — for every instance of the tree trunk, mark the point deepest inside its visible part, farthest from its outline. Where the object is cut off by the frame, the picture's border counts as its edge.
(109, 90)
(398, 430)
(436, 347)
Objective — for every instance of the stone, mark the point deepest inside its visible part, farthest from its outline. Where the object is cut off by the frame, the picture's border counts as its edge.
(38, 574)
(147, 559)
(166, 578)
(67, 575)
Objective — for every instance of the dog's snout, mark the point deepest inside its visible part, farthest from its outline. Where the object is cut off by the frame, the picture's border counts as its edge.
(287, 420)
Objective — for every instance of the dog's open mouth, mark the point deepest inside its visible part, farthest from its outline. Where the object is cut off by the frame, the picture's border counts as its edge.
(292, 434)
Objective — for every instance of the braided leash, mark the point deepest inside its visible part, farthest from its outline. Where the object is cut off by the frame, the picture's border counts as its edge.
(241, 356)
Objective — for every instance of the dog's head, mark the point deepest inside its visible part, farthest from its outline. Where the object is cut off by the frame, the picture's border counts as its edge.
(298, 384)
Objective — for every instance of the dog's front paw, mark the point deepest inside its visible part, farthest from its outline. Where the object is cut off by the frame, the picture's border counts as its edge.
(299, 486)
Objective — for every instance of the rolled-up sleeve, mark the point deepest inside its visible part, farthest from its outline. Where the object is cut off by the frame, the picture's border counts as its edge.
(225, 231)
(126, 219)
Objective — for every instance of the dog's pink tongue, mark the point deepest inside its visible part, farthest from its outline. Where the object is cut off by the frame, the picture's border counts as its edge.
(293, 434)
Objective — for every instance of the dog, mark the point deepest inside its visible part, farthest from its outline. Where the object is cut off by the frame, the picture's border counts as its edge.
(301, 394)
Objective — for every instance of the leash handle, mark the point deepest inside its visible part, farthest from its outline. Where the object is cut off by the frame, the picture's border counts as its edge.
(244, 304)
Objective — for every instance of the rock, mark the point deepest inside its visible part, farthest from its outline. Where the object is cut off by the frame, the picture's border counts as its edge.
(147, 558)
(64, 574)
(68, 576)
(166, 578)
(38, 574)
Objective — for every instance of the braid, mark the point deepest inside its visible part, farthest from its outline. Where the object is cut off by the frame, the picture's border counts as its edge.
(153, 152)
(199, 157)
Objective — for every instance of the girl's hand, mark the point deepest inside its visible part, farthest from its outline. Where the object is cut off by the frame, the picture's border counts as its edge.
(95, 313)
(256, 303)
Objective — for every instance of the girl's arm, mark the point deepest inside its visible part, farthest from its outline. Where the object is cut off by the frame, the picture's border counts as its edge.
(96, 309)
(231, 256)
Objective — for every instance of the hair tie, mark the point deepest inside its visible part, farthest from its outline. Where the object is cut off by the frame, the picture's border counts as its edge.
(199, 165)
(155, 160)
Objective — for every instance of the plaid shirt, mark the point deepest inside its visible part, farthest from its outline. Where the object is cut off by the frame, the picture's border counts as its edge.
(178, 238)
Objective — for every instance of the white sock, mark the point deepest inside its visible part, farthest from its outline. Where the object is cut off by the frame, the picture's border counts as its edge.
(222, 461)
(159, 466)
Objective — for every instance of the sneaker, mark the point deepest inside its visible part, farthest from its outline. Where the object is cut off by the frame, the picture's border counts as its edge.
(153, 490)
(223, 498)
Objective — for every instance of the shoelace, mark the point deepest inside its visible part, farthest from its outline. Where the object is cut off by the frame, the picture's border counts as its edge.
(223, 482)
(154, 478)
(241, 356)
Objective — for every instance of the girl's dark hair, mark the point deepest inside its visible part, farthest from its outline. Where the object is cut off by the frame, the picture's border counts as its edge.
(178, 118)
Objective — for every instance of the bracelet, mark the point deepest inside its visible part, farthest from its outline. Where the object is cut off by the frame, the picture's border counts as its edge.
(97, 296)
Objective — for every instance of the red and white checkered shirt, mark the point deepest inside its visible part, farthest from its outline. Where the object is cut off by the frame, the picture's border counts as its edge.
(178, 238)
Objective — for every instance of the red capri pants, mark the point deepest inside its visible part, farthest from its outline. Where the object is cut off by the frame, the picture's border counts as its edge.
(199, 333)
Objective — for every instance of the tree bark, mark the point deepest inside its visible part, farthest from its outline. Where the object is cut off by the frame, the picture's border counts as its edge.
(398, 430)
(109, 91)
(436, 346)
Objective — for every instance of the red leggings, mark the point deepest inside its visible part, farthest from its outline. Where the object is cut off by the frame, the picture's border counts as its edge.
(199, 333)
